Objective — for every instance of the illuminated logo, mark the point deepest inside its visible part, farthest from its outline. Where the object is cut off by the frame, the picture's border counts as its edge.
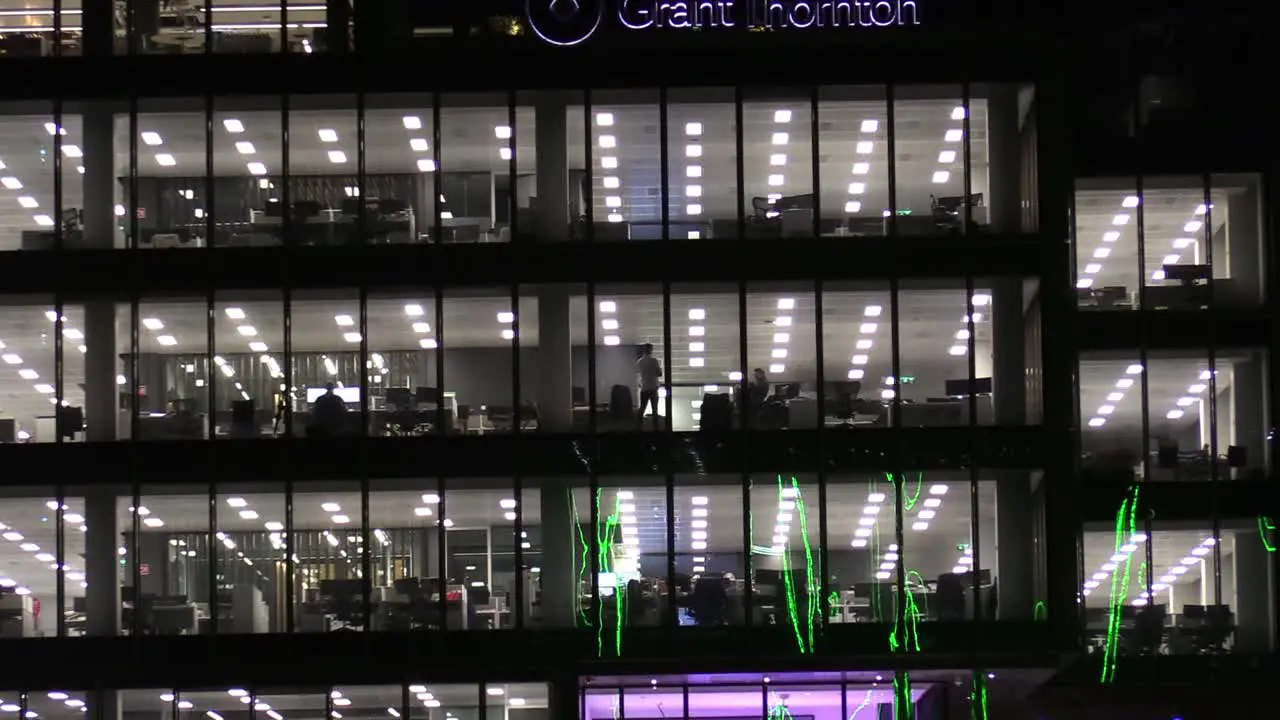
(569, 22)
(564, 22)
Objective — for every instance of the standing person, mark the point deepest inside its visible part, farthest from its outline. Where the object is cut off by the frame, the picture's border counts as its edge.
(650, 372)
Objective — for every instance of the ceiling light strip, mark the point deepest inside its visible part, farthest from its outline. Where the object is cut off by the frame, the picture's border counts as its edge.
(1114, 561)
(861, 356)
(608, 144)
(1195, 556)
(693, 150)
(1115, 396)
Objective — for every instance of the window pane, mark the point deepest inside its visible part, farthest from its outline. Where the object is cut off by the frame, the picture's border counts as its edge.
(172, 369)
(249, 166)
(172, 191)
(854, 150)
(782, 390)
(626, 153)
(474, 153)
(861, 537)
(400, 161)
(252, 556)
(1111, 416)
(706, 358)
(169, 548)
(28, 173)
(936, 342)
(326, 375)
(787, 577)
(702, 138)
(324, 193)
(1235, 219)
(929, 144)
(478, 335)
(1106, 240)
(249, 353)
(403, 352)
(328, 543)
(1181, 393)
(629, 318)
(404, 518)
(777, 163)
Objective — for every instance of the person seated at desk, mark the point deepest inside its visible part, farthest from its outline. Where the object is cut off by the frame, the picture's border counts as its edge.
(328, 413)
(710, 603)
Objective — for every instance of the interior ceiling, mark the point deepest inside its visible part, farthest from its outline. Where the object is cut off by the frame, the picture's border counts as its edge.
(1176, 225)
(777, 155)
(1168, 550)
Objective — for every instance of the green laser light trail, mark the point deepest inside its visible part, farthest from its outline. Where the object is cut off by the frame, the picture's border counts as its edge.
(978, 697)
(1126, 524)
(902, 707)
(866, 700)
(1267, 531)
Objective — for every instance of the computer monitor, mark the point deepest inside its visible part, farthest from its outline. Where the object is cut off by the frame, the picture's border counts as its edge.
(348, 394)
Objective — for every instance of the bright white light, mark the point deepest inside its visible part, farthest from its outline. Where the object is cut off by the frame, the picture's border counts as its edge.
(946, 156)
(426, 165)
(233, 125)
(953, 135)
(337, 157)
(941, 176)
(256, 168)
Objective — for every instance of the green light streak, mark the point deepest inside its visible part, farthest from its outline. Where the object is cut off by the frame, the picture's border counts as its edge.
(779, 712)
(584, 565)
(1125, 526)
(910, 502)
(1267, 531)
(902, 707)
(1040, 611)
(606, 534)
(978, 697)
(906, 637)
(866, 700)
(803, 628)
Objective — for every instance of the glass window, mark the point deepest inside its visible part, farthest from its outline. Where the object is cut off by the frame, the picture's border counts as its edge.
(167, 204)
(28, 172)
(1106, 241)
(170, 374)
(854, 152)
(626, 192)
(930, 148)
(478, 338)
(168, 568)
(1111, 412)
(28, 367)
(786, 555)
(1190, 404)
(629, 319)
(474, 154)
(405, 519)
(782, 389)
(403, 356)
(328, 545)
(1233, 225)
(937, 336)
(702, 171)
(249, 170)
(250, 392)
(777, 136)
(857, 347)
(1180, 590)
(321, 205)
(252, 571)
(706, 365)
(401, 155)
(327, 393)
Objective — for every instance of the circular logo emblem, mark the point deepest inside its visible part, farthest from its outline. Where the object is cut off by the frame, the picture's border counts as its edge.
(564, 22)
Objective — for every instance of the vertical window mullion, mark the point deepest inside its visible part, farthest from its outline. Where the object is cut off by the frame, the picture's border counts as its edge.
(664, 159)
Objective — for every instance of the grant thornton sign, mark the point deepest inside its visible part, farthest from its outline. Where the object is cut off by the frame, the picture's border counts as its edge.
(570, 22)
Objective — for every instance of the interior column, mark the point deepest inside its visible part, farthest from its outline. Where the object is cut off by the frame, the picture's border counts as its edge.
(1254, 576)
(559, 584)
(554, 360)
(1004, 160)
(102, 415)
(1248, 414)
(551, 134)
(1237, 247)
(102, 568)
(1014, 523)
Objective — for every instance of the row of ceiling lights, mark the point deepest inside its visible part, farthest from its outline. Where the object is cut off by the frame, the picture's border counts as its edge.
(865, 146)
(13, 535)
(1122, 555)
(863, 345)
(960, 346)
(947, 156)
(1117, 394)
(1194, 557)
(609, 162)
(1121, 219)
(786, 508)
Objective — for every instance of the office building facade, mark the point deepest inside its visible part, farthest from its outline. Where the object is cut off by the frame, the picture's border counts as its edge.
(622, 360)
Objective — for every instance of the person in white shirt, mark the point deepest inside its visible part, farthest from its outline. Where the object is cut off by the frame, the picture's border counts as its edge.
(650, 372)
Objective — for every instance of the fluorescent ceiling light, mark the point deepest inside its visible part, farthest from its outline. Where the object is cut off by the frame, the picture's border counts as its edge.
(870, 126)
(12, 183)
(44, 389)
(693, 191)
(861, 168)
(693, 171)
(256, 168)
(502, 132)
(337, 157)
(872, 311)
(1134, 369)
(1130, 201)
(165, 160)
(864, 147)
(612, 340)
(693, 129)
(233, 125)
(426, 165)
(247, 330)
(506, 317)
(954, 135)
(72, 151)
(1113, 235)
(28, 202)
(234, 313)
(427, 344)
(328, 135)
(508, 334)
(780, 138)
(152, 138)
(857, 188)
(604, 119)
(43, 220)
(167, 340)
(422, 327)
(694, 151)
(608, 141)
(941, 176)
(853, 206)
(344, 320)
(1120, 219)
(958, 113)
(947, 156)
(152, 323)
(778, 159)
(258, 346)
(776, 180)
(610, 182)
(351, 337)
(609, 162)
(28, 374)
(782, 116)
(412, 122)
